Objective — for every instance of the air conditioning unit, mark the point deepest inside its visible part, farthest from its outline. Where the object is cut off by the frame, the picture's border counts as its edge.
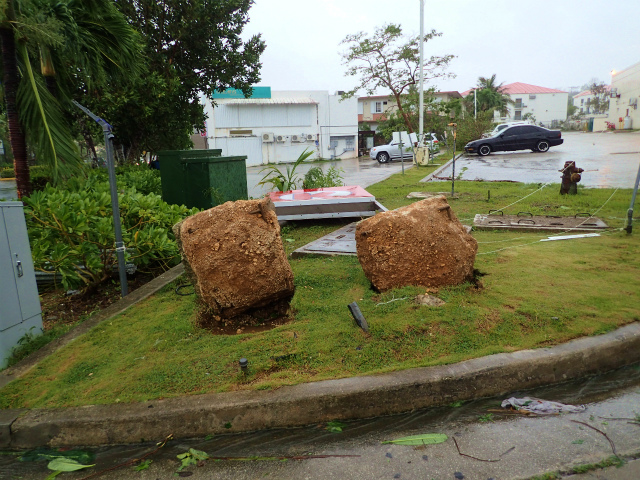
(267, 137)
(311, 137)
(295, 138)
(633, 102)
(280, 138)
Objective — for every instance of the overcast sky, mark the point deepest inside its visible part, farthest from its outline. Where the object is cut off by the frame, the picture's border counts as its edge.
(555, 44)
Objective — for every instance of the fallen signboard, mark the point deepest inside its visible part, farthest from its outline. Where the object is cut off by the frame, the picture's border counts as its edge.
(330, 202)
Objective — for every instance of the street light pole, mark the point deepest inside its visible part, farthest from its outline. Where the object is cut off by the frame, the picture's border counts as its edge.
(106, 128)
(421, 113)
(475, 104)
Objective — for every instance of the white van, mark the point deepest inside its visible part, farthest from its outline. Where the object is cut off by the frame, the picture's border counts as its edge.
(501, 127)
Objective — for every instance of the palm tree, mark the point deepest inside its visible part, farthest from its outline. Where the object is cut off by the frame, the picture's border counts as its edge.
(490, 96)
(79, 44)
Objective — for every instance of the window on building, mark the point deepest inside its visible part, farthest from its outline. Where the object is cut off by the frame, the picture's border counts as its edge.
(532, 97)
(518, 115)
(518, 103)
(378, 107)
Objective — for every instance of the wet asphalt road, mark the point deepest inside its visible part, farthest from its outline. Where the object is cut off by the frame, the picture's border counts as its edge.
(523, 446)
(610, 160)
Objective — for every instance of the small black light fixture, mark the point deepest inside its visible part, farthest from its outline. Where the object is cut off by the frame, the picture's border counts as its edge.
(244, 365)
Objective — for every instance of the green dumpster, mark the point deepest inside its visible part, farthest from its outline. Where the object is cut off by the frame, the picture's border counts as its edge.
(202, 178)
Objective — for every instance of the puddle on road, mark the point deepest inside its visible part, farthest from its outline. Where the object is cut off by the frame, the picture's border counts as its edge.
(357, 434)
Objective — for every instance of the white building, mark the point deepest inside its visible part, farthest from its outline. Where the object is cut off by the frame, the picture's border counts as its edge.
(583, 102)
(276, 127)
(625, 92)
(547, 105)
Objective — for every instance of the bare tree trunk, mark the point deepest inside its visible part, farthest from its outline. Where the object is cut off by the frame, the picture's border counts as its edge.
(407, 121)
(16, 135)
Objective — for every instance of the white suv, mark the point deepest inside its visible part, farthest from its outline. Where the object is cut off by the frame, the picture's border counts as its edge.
(391, 151)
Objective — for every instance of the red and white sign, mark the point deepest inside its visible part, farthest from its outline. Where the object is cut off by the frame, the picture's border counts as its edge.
(321, 195)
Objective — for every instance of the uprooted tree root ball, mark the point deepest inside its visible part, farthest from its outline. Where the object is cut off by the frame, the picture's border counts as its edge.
(251, 321)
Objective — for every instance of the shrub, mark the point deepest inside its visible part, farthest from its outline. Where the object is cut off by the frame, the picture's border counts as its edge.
(39, 175)
(316, 178)
(71, 230)
(7, 172)
(144, 179)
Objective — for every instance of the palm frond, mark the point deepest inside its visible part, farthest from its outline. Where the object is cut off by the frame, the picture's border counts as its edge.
(44, 122)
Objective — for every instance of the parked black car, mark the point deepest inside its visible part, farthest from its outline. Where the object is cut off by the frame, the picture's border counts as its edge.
(520, 137)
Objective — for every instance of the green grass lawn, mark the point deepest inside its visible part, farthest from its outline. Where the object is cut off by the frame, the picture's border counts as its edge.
(533, 294)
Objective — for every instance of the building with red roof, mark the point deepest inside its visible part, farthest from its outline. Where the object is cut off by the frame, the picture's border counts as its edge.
(546, 106)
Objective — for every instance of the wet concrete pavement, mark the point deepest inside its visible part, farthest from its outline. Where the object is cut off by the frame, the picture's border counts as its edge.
(522, 447)
(8, 189)
(610, 160)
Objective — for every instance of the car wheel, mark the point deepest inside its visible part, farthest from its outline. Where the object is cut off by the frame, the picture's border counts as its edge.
(383, 157)
(542, 146)
(484, 150)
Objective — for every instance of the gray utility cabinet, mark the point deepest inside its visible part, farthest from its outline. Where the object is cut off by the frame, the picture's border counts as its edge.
(20, 311)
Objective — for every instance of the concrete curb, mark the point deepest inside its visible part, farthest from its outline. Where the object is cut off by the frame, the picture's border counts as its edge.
(304, 404)
(437, 172)
(120, 306)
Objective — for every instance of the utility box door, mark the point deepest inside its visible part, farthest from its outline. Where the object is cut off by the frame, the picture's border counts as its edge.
(10, 313)
(23, 273)
(20, 312)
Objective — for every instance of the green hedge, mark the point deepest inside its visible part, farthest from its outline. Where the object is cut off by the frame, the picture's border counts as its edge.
(71, 230)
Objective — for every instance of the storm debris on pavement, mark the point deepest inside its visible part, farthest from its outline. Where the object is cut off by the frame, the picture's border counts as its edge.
(422, 244)
(234, 256)
(540, 407)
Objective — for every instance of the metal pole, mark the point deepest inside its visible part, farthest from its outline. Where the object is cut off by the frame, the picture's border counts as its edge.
(401, 152)
(453, 162)
(421, 113)
(475, 104)
(106, 128)
(453, 168)
(629, 227)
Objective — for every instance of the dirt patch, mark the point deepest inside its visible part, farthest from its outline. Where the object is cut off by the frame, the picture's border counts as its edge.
(58, 308)
(253, 321)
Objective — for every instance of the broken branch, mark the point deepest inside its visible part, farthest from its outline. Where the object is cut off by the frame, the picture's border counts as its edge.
(479, 459)
(613, 447)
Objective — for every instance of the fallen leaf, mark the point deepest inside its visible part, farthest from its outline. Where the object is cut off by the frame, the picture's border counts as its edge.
(424, 439)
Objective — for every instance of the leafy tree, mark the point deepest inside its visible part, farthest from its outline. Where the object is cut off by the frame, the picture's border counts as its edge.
(571, 108)
(193, 48)
(470, 128)
(436, 114)
(600, 100)
(388, 61)
(75, 41)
